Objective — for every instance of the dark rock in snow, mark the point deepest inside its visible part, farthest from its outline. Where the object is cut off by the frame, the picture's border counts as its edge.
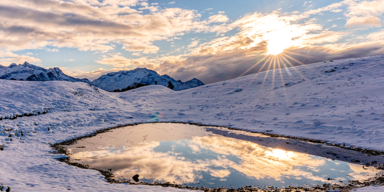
(136, 178)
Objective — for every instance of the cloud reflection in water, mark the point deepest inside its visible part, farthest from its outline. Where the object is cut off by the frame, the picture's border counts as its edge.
(210, 157)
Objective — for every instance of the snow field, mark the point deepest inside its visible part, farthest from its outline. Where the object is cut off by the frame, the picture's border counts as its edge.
(338, 102)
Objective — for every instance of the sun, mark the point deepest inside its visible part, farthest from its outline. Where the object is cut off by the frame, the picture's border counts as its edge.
(282, 39)
(275, 49)
(278, 43)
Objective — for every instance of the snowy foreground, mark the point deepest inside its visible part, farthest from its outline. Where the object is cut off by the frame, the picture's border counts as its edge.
(318, 101)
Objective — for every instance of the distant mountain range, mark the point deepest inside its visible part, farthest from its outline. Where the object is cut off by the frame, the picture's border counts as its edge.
(116, 81)
(123, 79)
(29, 72)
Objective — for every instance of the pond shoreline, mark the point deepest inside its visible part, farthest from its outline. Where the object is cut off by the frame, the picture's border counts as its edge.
(109, 176)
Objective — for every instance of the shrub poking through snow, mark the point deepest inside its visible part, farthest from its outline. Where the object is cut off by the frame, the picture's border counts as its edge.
(316, 123)
(170, 85)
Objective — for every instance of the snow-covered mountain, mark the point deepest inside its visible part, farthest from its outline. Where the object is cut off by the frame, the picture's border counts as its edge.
(123, 79)
(29, 72)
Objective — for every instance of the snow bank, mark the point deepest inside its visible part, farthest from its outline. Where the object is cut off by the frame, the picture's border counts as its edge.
(339, 102)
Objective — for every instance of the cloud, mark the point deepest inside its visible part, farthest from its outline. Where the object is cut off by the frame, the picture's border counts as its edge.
(91, 25)
(218, 19)
(365, 13)
(6, 58)
(92, 75)
(193, 44)
(376, 36)
(52, 50)
(366, 8)
(118, 61)
(371, 21)
(140, 47)
(173, 2)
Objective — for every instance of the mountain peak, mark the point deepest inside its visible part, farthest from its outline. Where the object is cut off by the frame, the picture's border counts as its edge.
(12, 65)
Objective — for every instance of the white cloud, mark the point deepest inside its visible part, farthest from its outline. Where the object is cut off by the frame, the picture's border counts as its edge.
(371, 21)
(365, 13)
(218, 19)
(193, 44)
(376, 36)
(337, 10)
(306, 3)
(173, 2)
(89, 75)
(7, 58)
(52, 50)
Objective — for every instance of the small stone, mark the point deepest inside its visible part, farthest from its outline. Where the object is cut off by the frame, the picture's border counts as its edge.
(1, 147)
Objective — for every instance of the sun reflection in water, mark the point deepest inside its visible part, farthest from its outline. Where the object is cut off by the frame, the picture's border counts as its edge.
(280, 154)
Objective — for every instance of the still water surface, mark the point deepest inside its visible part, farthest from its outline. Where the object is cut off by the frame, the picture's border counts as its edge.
(216, 157)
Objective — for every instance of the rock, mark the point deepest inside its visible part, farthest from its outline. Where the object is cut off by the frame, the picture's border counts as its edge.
(1, 147)
(136, 178)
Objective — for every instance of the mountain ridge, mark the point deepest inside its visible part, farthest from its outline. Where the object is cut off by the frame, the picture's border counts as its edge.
(114, 81)
(30, 72)
(129, 79)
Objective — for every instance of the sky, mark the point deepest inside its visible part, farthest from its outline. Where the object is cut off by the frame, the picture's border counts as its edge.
(212, 40)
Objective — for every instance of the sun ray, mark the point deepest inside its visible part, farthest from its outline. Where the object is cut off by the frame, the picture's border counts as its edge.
(294, 68)
(293, 59)
(288, 52)
(269, 58)
(297, 71)
(285, 66)
(254, 66)
(273, 71)
(282, 79)
(266, 74)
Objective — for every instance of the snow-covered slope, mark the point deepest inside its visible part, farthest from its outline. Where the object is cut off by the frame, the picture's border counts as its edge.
(29, 72)
(123, 79)
(338, 102)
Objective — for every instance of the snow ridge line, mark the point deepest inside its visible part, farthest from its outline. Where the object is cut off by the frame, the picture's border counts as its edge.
(15, 116)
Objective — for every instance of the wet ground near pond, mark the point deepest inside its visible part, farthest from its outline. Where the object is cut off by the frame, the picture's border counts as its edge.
(214, 157)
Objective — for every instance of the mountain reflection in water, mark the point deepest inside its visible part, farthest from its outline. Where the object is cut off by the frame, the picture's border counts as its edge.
(197, 156)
